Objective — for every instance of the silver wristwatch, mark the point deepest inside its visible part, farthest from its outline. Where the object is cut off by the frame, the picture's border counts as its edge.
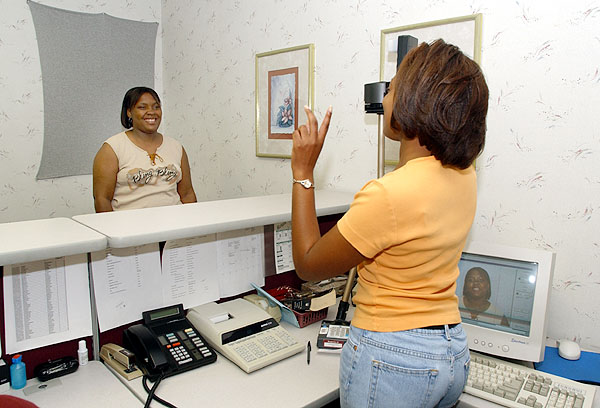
(306, 183)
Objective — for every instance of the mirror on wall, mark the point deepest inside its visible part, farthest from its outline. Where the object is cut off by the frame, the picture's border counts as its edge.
(464, 32)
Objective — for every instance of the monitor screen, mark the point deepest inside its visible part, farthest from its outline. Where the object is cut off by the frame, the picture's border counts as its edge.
(503, 295)
(497, 293)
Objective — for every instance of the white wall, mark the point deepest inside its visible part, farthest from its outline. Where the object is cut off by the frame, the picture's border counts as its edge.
(539, 184)
(22, 197)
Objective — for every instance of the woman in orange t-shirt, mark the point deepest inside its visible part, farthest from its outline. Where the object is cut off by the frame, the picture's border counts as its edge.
(405, 231)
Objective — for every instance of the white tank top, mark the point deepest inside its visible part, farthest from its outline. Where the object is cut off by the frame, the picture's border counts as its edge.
(142, 183)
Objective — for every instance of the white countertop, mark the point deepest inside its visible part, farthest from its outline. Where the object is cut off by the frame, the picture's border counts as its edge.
(92, 385)
(34, 240)
(138, 227)
(290, 382)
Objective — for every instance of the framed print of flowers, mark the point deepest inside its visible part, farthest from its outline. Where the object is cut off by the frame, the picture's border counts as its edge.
(284, 82)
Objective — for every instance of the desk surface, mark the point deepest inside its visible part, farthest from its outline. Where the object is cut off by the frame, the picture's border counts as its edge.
(290, 382)
(92, 385)
(34, 240)
(147, 225)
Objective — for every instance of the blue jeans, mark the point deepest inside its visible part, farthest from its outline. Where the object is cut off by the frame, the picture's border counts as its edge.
(412, 368)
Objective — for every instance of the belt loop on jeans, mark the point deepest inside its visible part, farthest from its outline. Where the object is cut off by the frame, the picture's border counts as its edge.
(447, 332)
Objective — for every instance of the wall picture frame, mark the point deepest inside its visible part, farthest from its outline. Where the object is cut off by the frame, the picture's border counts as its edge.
(284, 85)
(463, 31)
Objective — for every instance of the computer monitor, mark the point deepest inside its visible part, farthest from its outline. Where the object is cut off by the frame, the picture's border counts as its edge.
(503, 295)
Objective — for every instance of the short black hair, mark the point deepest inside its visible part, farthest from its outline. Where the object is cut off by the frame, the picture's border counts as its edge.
(441, 98)
(130, 99)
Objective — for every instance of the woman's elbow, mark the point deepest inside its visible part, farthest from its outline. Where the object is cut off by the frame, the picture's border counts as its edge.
(303, 269)
(302, 273)
(188, 198)
(313, 272)
(102, 204)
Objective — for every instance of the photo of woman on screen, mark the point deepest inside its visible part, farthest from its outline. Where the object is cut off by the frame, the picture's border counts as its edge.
(475, 302)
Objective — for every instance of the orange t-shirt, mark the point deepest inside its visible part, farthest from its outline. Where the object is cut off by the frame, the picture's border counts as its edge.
(412, 223)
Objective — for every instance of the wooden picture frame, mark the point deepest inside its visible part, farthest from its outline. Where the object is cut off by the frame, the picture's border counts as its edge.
(284, 84)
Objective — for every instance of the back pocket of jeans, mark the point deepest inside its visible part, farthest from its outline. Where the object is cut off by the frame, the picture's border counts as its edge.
(395, 386)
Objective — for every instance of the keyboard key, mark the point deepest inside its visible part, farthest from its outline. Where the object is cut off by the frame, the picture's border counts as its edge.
(516, 386)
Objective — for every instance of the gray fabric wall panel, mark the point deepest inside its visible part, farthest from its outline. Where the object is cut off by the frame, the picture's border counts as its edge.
(88, 62)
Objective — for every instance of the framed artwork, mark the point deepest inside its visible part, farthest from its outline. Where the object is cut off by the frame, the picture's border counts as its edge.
(464, 32)
(284, 84)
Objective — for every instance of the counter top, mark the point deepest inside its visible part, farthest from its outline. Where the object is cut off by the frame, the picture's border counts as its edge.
(137, 227)
(34, 240)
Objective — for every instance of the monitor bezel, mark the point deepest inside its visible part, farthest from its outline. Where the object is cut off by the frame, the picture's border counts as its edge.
(508, 345)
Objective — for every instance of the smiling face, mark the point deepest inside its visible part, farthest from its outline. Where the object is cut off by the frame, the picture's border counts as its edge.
(146, 114)
(477, 284)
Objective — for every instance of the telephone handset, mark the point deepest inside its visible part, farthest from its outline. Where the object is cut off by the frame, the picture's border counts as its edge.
(147, 348)
(167, 344)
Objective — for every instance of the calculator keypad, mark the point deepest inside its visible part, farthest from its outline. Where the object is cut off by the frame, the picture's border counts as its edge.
(262, 344)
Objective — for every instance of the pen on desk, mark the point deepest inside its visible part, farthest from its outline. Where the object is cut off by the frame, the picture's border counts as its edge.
(308, 353)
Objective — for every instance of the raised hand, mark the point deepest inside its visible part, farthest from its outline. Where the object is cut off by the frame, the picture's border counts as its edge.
(307, 144)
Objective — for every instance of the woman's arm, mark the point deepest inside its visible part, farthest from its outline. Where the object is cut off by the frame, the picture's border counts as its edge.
(106, 166)
(315, 257)
(184, 187)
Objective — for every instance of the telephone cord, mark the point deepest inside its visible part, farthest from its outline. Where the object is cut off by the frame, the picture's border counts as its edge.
(152, 395)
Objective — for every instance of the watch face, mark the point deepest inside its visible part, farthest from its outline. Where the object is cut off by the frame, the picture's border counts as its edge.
(305, 183)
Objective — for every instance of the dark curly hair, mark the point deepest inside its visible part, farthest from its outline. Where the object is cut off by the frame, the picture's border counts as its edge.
(130, 99)
(441, 97)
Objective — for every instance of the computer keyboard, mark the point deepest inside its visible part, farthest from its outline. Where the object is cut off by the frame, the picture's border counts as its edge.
(516, 386)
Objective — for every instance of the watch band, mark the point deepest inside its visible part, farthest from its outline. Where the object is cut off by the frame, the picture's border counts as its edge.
(306, 183)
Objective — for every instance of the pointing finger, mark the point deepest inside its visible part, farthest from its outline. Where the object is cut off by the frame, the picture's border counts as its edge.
(325, 124)
(312, 120)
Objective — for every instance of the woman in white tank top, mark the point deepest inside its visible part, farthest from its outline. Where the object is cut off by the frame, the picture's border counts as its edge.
(140, 167)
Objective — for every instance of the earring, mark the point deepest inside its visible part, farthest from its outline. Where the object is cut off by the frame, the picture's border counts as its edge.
(130, 122)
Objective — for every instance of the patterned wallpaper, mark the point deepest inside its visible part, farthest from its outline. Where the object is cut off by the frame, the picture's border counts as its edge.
(538, 177)
(539, 184)
(22, 112)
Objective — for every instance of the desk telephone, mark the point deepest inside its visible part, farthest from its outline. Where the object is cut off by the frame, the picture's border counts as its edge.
(167, 344)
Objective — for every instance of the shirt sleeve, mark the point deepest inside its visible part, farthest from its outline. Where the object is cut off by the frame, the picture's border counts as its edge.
(370, 224)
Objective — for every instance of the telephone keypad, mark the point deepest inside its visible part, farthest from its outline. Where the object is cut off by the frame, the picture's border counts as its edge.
(185, 346)
(193, 336)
